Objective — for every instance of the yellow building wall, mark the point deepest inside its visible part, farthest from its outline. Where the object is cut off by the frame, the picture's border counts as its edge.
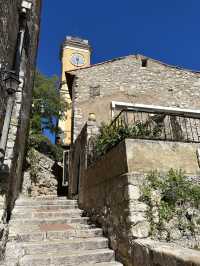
(66, 57)
(66, 123)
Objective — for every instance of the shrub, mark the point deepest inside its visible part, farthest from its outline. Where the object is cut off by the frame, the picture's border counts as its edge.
(110, 135)
(44, 145)
(177, 195)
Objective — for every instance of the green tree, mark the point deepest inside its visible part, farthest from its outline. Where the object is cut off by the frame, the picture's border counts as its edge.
(46, 104)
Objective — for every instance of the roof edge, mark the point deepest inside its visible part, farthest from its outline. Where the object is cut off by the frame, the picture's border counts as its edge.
(136, 56)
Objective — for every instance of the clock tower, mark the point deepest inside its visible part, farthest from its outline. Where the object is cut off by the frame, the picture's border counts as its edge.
(75, 53)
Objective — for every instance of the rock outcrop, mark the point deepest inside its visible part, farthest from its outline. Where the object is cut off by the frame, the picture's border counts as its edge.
(39, 177)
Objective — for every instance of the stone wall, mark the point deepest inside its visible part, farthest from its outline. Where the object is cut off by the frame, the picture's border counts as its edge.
(152, 253)
(134, 155)
(21, 111)
(8, 22)
(78, 157)
(110, 193)
(115, 205)
(106, 201)
(11, 181)
(124, 79)
(146, 155)
(9, 25)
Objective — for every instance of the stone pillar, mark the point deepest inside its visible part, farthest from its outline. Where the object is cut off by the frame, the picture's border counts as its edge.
(78, 156)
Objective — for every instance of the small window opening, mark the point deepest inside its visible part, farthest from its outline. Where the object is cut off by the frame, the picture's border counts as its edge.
(95, 91)
(144, 62)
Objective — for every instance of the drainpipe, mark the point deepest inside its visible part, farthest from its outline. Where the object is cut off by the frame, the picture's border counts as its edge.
(24, 12)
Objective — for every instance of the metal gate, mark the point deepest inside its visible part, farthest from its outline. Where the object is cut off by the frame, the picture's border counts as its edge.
(65, 168)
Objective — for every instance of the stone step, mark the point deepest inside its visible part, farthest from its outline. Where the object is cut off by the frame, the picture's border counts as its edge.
(63, 246)
(55, 235)
(69, 258)
(47, 197)
(37, 228)
(20, 230)
(112, 263)
(40, 202)
(46, 207)
(51, 231)
(20, 214)
(20, 222)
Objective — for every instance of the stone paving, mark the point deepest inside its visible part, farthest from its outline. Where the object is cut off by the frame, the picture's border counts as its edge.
(51, 231)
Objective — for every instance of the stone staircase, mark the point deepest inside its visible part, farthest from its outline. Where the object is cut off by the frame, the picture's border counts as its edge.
(51, 231)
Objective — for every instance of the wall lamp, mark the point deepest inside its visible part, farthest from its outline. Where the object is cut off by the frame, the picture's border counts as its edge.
(11, 82)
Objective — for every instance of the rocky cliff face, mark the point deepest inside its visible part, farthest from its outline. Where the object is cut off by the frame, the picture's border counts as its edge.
(39, 177)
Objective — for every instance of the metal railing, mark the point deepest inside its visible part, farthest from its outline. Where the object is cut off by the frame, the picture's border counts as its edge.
(151, 124)
(160, 125)
(92, 154)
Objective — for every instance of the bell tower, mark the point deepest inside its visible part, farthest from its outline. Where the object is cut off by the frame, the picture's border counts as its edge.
(75, 53)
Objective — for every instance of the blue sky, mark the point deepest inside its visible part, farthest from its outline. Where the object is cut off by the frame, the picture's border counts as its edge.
(167, 30)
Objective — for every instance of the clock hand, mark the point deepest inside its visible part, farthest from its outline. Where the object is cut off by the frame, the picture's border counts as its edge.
(77, 61)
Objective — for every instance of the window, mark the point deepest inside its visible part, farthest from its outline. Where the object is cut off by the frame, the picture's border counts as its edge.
(94, 91)
(144, 62)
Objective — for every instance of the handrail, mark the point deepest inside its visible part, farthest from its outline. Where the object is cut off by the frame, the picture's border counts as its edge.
(156, 109)
(148, 124)
(172, 126)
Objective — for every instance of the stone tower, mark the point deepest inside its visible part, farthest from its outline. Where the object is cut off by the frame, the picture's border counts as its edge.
(75, 53)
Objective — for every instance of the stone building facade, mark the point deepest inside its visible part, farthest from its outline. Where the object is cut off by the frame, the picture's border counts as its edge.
(8, 18)
(19, 33)
(109, 188)
(131, 79)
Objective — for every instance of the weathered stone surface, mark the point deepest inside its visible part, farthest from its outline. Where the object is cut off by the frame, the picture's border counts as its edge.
(142, 156)
(115, 202)
(124, 80)
(69, 243)
(140, 230)
(4, 237)
(132, 193)
(39, 178)
(178, 224)
(136, 217)
(148, 252)
(10, 182)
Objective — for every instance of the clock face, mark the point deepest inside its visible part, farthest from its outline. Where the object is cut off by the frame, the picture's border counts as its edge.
(77, 60)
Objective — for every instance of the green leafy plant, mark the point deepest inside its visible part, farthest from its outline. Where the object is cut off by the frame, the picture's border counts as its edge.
(111, 135)
(44, 145)
(177, 194)
(46, 104)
